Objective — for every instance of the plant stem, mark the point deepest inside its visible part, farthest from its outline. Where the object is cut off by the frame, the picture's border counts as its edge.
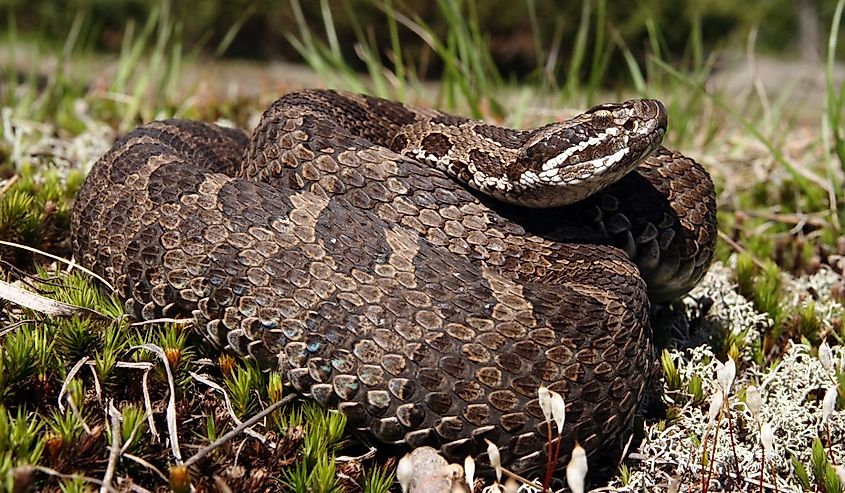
(550, 466)
(557, 452)
(829, 444)
(706, 479)
(733, 447)
(775, 478)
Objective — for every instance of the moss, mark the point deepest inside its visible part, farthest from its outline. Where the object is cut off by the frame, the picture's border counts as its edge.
(43, 349)
(824, 474)
(378, 480)
(20, 441)
(242, 385)
(35, 211)
(20, 222)
(807, 324)
(18, 364)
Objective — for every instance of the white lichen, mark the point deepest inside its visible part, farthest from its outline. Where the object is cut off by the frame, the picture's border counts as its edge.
(45, 145)
(789, 396)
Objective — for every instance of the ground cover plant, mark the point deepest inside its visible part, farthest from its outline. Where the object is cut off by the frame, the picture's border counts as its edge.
(752, 390)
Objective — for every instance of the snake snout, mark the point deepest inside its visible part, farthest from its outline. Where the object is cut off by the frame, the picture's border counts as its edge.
(652, 110)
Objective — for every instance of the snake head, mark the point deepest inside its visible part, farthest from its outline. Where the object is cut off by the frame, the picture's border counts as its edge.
(564, 162)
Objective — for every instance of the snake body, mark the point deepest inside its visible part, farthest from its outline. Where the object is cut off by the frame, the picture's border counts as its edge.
(422, 272)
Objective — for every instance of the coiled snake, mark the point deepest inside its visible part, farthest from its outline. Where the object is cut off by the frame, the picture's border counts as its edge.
(333, 245)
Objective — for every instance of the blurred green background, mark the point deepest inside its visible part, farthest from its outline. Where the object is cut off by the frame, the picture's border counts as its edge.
(259, 29)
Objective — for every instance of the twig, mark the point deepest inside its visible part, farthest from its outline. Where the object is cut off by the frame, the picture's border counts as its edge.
(57, 474)
(740, 249)
(178, 321)
(146, 464)
(69, 263)
(797, 219)
(11, 327)
(134, 487)
(625, 450)
(78, 415)
(42, 304)
(235, 431)
(229, 408)
(98, 389)
(70, 374)
(115, 449)
(8, 184)
(369, 454)
(520, 478)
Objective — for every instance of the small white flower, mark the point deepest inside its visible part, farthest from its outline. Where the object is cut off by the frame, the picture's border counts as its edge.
(767, 436)
(754, 401)
(825, 356)
(495, 458)
(558, 411)
(576, 470)
(469, 472)
(405, 471)
(828, 403)
(545, 399)
(725, 374)
(716, 405)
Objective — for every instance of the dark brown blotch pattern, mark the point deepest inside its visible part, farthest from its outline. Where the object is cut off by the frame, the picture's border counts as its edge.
(381, 287)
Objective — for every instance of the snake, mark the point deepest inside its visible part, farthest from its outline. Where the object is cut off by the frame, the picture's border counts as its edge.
(421, 272)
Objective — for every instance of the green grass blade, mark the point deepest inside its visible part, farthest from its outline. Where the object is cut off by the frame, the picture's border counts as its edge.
(536, 34)
(576, 58)
(600, 56)
(633, 67)
(395, 49)
(835, 98)
(233, 30)
(367, 52)
(746, 124)
(331, 32)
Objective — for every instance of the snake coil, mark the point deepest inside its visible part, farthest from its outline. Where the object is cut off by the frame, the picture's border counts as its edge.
(422, 272)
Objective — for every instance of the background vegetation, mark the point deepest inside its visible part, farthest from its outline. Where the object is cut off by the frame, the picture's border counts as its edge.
(512, 28)
(775, 146)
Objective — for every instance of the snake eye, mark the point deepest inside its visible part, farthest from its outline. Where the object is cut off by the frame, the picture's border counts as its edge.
(629, 125)
(602, 118)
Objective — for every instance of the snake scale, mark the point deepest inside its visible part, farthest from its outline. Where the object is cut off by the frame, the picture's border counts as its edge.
(384, 257)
